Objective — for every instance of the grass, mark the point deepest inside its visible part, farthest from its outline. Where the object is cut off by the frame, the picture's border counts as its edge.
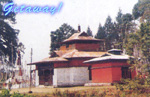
(100, 91)
(51, 90)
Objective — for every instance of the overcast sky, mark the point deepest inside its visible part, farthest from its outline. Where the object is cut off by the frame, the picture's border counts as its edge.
(35, 28)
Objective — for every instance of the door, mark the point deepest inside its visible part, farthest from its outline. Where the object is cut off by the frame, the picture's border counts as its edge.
(45, 74)
(48, 77)
(126, 72)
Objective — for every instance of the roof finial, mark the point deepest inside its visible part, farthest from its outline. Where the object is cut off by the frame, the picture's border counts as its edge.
(79, 28)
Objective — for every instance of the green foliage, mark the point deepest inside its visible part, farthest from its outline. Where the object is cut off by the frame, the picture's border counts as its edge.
(6, 93)
(89, 32)
(110, 34)
(8, 35)
(142, 10)
(17, 95)
(119, 17)
(101, 34)
(138, 45)
(116, 33)
(62, 33)
(137, 85)
(91, 93)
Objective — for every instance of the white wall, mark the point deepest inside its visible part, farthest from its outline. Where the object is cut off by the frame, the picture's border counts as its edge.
(70, 76)
(36, 78)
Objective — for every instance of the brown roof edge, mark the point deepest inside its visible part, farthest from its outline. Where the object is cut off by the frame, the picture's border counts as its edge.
(98, 40)
(49, 60)
(35, 63)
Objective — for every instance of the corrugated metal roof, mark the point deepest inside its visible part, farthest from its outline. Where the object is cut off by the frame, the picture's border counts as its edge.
(75, 53)
(80, 54)
(81, 36)
(53, 59)
(113, 57)
(115, 50)
(70, 54)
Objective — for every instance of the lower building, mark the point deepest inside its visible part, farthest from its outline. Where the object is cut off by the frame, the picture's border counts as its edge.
(109, 68)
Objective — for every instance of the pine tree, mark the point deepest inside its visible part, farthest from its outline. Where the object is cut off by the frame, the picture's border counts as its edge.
(8, 35)
(89, 32)
(62, 33)
(119, 17)
(142, 10)
(123, 27)
(138, 45)
(101, 34)
(109, 29)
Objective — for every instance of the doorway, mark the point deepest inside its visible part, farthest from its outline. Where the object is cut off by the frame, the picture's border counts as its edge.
(126, 72)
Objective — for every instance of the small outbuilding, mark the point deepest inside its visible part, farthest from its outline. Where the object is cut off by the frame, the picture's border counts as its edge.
(110, 67)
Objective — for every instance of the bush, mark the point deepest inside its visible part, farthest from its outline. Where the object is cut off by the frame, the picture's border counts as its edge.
(17, 95)
(135, 85)
(6, 93)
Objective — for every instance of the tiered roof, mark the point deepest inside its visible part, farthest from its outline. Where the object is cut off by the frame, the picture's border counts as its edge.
(81, 37)
(64, 55)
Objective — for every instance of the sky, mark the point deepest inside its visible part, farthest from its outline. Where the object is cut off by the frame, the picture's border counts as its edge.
(35, 28)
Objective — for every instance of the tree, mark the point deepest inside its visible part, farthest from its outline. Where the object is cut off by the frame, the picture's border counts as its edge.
(123, 26)
(62, 33)
(126, 27)
(8, 35)
(89, 32)
(138, 45)
(142, 10)
(101, 34)
(110, 35)
(119, 17)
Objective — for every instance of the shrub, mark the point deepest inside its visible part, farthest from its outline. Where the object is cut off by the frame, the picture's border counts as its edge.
(17, 95)
(5, 93)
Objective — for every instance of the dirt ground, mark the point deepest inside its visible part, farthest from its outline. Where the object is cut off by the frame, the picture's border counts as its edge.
(51, 89)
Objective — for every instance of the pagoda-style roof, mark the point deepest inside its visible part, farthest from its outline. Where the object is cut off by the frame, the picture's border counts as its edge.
(82, 54)
(50, 60)
(82, 36)
(63, 56)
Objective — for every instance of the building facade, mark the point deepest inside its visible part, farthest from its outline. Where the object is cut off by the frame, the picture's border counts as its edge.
(73, 63)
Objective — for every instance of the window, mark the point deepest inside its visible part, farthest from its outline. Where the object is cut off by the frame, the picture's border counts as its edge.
(126, 73)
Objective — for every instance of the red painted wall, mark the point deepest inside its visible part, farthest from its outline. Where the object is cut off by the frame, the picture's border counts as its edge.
(60, 64)
(87, 46)
(78, 62)
(116, 74)
(102, 75)
(108, 71)
(74, 62)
